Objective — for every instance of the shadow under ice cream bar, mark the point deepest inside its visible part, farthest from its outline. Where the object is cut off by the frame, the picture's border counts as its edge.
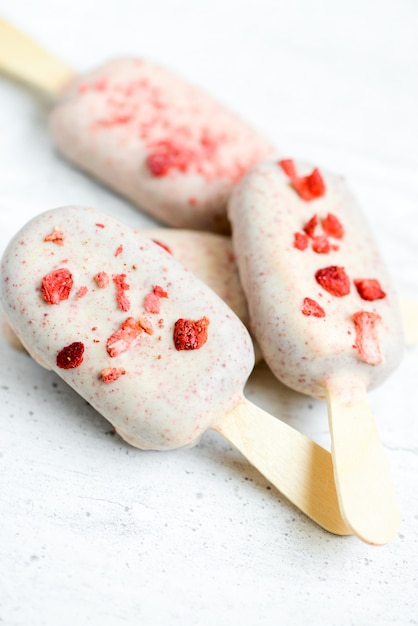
(325, 316)
(151, 347)
(156, 139)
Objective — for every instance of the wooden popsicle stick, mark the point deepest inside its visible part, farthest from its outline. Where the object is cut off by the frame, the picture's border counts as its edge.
(24, 60)
(298, 467)
(365, 489)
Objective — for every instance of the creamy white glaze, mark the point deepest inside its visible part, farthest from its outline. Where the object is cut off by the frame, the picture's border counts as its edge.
(167, 398)
(306, 353)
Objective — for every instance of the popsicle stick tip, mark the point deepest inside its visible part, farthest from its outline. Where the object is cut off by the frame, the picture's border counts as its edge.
(366, 493)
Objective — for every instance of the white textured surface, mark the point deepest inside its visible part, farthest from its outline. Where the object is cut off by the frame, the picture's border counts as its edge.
(94, 532)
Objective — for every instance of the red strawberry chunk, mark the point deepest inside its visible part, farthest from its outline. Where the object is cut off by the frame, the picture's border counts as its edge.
(311, 307)
(367, 340)
(369, 289)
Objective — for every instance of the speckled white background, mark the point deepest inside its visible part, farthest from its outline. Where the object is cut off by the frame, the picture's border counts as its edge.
(94, 532)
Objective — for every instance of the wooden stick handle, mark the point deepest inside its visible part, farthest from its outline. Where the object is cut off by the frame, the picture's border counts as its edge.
(365, 490)
(299, 468)
(26, 61)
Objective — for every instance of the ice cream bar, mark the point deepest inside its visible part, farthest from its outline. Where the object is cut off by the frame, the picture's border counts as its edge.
(150, 135)
(158, 140)
(325, 316)
(319, 295)
(76, 283)
(150, 346)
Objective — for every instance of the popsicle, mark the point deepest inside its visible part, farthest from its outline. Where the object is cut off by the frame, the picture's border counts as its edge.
(325, 316)
(151, 347)
(156, 139)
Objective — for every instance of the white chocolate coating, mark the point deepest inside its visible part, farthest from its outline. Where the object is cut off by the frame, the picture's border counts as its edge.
(306, 352)
(112, 121)
(167, 398)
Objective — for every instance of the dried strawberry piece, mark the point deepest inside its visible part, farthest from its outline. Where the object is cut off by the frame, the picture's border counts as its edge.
(110, 374)
(102, 279)
(367, 340)
(163, 245)
(321, 244)
(71, 356)
(81, 292)
(126, 337)
(190, 334)
(152, 300)
(152, 303)
(288, 166)
(165, 156)
(119, 250)
(159, 164)
(56, 286)
(332, 226)
(145, 325)
(369, 289)
(162, 159)
(121, 287)
(178, 153)
(300, 241)
(311, 307)
(310, 226)
(160, 292)
(100, 225)
(309, 187)
(57, 236)
(334, 280)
